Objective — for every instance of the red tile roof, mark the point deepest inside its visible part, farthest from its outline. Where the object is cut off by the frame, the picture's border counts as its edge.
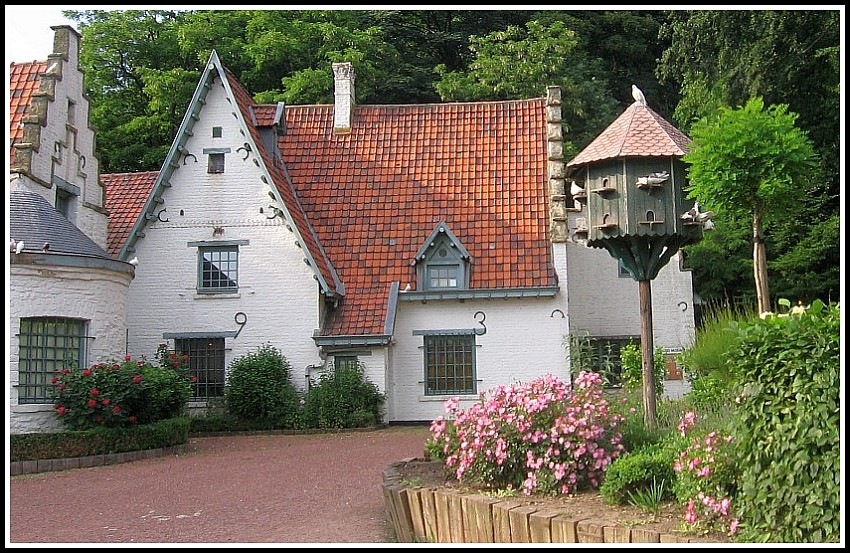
(23, 82)
(284, 187)
(639, 131)
(126, 194)
(375, 195)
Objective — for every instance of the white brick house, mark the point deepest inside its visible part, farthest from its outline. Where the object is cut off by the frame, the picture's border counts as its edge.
(66, 297)
(429, 242)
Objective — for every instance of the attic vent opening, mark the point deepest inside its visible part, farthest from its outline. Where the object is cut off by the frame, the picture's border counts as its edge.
(216, 132)
(216, 163)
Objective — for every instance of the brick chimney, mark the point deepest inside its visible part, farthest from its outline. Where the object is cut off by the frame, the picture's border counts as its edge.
(343, 97)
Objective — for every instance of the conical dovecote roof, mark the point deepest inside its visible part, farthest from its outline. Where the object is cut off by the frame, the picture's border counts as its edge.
(638, 132)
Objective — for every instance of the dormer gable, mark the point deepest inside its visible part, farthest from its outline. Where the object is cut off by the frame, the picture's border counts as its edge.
(442, 263)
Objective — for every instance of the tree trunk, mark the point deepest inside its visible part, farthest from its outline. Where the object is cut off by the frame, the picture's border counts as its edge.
(647, 350)
(760, 264)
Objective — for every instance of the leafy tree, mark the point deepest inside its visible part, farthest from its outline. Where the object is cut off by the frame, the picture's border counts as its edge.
(138, 81)
(520, 62)
(751, 161)
(725, 57)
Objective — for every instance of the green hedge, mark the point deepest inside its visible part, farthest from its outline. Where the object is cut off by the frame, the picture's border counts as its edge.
(98, 441)
(789, 442)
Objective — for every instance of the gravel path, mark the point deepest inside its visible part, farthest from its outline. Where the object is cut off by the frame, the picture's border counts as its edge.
(321, 488)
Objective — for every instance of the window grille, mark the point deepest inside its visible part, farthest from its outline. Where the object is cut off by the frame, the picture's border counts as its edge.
(45, 345)
(206, 365)
(450, 364)
(218, 269)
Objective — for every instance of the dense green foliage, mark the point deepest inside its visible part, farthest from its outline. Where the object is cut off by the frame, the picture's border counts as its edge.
(788, 432)
(343, 397)
(788, 57)
(639, 470)
(98, 441)
(631, 361)
(259, 387)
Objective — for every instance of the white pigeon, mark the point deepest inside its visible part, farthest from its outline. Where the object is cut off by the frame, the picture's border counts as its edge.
(637, 94)
(575, 189)
(19, 247)
(708, 225)
(134, 262)
(407, 288)
(12, 245)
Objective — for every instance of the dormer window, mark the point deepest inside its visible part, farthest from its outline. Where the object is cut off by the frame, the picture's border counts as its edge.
(442, 262)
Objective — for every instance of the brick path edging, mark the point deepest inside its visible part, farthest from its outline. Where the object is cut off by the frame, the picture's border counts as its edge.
(444, 515)
(47, 465)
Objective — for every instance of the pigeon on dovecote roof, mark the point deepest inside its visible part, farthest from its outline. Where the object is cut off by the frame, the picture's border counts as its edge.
(134, 262)
(637, 94)
(19, 247)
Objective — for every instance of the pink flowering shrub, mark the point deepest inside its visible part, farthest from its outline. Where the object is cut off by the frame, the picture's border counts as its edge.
(540, 437)
(706, 479)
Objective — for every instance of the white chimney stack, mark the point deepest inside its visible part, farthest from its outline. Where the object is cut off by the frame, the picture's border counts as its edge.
(343, 96)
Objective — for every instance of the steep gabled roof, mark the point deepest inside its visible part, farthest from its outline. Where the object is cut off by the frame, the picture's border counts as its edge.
(23, 83)
(126, 194)
(375, 194)
(638, 131)
(293, 214)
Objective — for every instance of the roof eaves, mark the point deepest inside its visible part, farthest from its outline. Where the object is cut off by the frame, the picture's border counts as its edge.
(177, 148)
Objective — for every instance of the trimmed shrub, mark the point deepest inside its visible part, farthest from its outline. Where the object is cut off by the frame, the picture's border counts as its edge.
(639, 470)
(343, 398)
(98, 441)
(789, 421)
(258, 387)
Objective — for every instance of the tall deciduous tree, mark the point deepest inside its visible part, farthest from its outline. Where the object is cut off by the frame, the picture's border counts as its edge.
(751, 161)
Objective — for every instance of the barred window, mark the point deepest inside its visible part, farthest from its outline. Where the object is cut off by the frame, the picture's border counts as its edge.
(45, 345)
(450, 364)
(602, 355)
(206, 365)
(218, 269)
(345, 362)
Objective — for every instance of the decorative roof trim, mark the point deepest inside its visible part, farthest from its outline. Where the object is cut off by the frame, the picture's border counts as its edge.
(491, 293)
(441, 228)
(392, 306)
(71, 260)
(353, 340)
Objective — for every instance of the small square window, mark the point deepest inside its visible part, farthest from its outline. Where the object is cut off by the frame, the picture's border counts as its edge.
(216, 132)
(442, 276)
(216, 163)
(218, 269)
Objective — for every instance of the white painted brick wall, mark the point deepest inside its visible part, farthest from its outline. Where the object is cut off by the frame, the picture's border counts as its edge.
(523, 341)
(69, 164)
(605, 304)
(97, 295)
(277, 291)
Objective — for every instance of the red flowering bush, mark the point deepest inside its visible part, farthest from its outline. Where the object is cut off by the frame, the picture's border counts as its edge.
(537, 437)
(118, 394)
